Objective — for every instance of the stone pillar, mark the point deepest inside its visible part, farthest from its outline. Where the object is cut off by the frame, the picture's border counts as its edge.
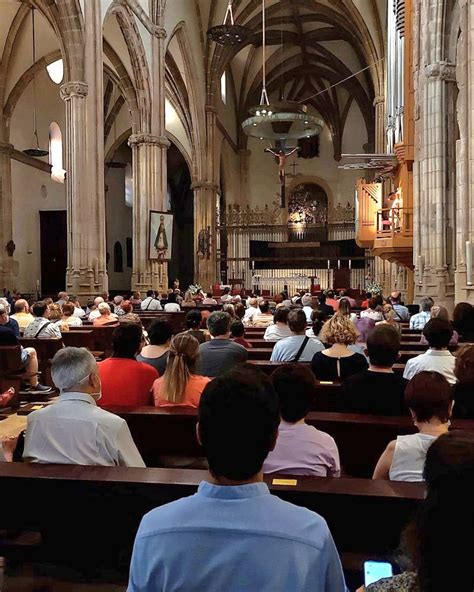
(206, 196)
(6, 230)
(86, 273)
(149, 193)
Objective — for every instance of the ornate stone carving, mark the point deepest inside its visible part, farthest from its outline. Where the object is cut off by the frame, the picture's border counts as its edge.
(344, 214)
(69, 90)
(159, 32)
(441, 71)
(378, 100)
(205, 185)
(143, 138)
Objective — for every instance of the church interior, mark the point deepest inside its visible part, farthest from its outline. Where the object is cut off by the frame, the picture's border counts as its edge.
(257, 160)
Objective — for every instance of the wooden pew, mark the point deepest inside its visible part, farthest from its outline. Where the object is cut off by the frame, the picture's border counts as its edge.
(11, 368)
(68, 503)
(268, 367)
(45, 350)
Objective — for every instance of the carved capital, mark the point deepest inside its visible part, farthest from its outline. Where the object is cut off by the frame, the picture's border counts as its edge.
(71, 90)
(148, 139)
(441, 71)
(379, 99)
(159, 32)
(205, 185)
(6, 148)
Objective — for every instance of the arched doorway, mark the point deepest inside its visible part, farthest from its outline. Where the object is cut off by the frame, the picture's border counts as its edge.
(180, 203)
(308, 213)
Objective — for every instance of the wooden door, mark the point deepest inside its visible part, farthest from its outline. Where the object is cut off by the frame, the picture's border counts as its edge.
(53, 244)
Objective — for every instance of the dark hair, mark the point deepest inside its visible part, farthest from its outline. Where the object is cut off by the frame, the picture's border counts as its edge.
(297, 321)
(264, 306)
(428, 395)
(463, 318)
(322, 299)
(378, 299)
(126, 306)
(238, 416)
(296, 388)
(464, 365)
(281, 315)
(226, 290)
(344, 307)
(150, 293)
(126, 339)
(368, 295)
(68, 309)
(159, 332)
(39, 308)
(172, 298)
(438, 333)
(330, 294)
(193, 319)
(441, 535)
(373, 303)
(218, 323)
(383, 345)
(239, 310)
(237, 329)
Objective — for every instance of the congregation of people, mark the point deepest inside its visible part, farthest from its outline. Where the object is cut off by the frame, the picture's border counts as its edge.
(250, 424)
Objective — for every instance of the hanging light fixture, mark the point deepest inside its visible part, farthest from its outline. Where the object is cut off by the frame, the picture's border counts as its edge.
(229, 34)
(283, 120)
(36, 151)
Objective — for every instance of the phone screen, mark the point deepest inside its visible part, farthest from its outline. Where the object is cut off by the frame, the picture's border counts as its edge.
(376, 570)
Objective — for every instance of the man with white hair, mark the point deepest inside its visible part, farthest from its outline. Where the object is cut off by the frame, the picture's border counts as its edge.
(251, 311)
(95, 314)
(63, 297)
(105, 316)
(74, 430)
(118, 306)
(306, 301)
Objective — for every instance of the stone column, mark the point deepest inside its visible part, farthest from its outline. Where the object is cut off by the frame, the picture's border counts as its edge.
(6, 230)
(206, 196)
(149, 193)
(86, 273)
(380, 135)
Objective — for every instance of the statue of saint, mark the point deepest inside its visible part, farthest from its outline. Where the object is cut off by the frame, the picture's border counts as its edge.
(161, 240)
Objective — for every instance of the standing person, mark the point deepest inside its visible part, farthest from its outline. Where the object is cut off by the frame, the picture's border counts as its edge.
(429, 397)
(151, 302)
(418, 321)
(243, 538)
(299, 347)
(126, 382)
(220, 354)
(156, 353)
(180, 385)
(41, 327)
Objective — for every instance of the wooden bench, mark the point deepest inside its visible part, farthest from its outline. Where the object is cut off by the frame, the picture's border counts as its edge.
(88, 516)
(11, 368)
(45, 351)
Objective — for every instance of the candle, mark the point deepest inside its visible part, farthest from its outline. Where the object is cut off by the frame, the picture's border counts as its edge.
(339, 264)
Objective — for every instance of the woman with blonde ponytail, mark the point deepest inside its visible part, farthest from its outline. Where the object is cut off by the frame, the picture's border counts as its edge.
(180, 386)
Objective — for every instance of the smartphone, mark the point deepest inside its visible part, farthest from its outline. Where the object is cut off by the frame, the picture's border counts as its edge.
(376, 570)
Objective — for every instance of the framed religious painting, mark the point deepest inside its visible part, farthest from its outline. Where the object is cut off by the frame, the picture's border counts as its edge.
(161, 235)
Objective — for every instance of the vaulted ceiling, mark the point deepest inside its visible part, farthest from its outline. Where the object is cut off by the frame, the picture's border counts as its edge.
(312, 46)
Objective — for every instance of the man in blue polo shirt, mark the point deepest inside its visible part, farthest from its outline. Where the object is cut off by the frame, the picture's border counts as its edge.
(233, 535)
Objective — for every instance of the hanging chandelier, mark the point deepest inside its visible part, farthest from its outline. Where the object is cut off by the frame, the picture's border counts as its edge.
(282, 120)
(229, 33)
(36, 151)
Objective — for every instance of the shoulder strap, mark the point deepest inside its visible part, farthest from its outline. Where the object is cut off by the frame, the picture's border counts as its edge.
(149, 302)
(42, 328)
(301, 350)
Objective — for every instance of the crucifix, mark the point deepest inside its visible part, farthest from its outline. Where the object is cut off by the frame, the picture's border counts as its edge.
(280, 157)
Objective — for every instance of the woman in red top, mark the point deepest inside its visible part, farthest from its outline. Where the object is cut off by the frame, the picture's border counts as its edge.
(180, 386)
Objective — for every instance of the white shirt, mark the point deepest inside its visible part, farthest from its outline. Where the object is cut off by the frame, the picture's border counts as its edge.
(308, 311)
(276, 332)
(433, 360)
(226, 298)
(75, 431)
(79, 312)
(375, 315)
(151, 304)
(72, 321)
(286, 349)
(409, 457)
(34, 329)
(250, 312)
(172, 307)
(95, 314)
(419, 320)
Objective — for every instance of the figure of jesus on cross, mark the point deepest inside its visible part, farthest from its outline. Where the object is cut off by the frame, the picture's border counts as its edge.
(280, 157)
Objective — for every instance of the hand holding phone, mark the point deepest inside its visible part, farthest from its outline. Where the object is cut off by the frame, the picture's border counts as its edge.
(376, 570)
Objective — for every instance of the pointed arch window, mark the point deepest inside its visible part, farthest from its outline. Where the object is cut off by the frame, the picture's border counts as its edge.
(56, 153)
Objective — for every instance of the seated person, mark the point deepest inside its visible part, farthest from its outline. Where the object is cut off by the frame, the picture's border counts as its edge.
(251, 310)
(323, 305)
(318, 319)
(464, 388)
(193, 324)
(188, 301)
(389, 318)
(373, 311)
(29, 359)
(429, 397)
(74, 430)
(279, 329)
(94, 308)
(228, 307)
(239, 311)
(150, 302)
(299, 347)
(136, 298)
(106, 316)
(377, 390)
(226, 296)
(237, 333)
(22, 314)
(242, 538)
(117, 302)
(42, 327)
(345, 309)
(364, 327)
(437, 358)
(331, 301)
(180, 385)
(463, 321)
(440, 536)
(307, 302)
(441, 313)
(172, 304)
(68, 319)
(125, 381)
(402, 313)
(338, 362)
(156, 353)
(220, 354)
(264, 317)
(127, 315)
(209, 300)
(11, 323)
(300, 449)
(419, 320)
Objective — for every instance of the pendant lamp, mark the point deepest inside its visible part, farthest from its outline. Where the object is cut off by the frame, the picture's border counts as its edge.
(229, 33)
